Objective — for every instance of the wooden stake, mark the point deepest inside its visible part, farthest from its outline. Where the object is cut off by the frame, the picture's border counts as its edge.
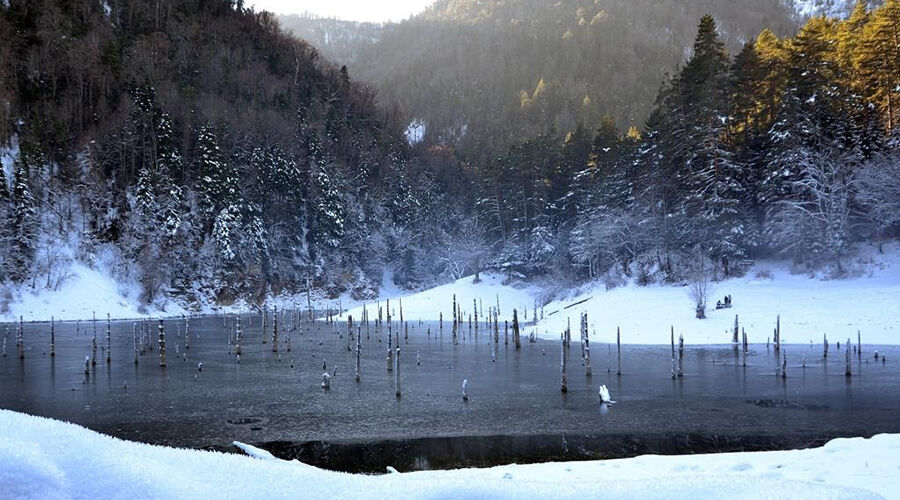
(162, 344)
(564, 383)
(619, 350)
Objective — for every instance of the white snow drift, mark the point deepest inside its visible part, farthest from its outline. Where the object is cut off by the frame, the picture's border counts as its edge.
(43, 459)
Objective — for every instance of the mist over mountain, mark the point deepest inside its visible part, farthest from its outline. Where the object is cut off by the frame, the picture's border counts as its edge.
(481, 74)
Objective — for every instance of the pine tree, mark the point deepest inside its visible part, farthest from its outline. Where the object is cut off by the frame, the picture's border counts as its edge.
(877, 59)
(217, 186)
(711, 178)
(22, 219)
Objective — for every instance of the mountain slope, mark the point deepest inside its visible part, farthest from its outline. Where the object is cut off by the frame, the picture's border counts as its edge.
(483, 74)
(216, 157)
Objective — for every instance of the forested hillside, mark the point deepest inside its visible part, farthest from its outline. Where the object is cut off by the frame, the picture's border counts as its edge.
(485, 74)
(338, 40)
(787, 148)
(195, 148)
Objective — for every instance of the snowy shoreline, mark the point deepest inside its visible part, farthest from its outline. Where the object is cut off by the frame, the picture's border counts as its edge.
(809, 307)
(45, 459)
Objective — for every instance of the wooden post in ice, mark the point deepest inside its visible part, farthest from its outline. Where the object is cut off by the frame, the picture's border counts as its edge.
(108, 341)
(455, 334)
(475, 308)
(858, 343)
(350, 333)
(238, 339)
(366, 314)
(397, 372)
(187, 333)
(134, 341)
(563, 359)
(406, 333)
(825, 345)
(588, 371)
(52, 338)
(264, 341)
(358, 345)
(734, 337)
(454, 309)
(94, 339)
(496, 328)
(20, 339)
(784, 365)
(619, 350)
(847, 371)
(744, 335)
(680, 356)
(162, 344)
(505, 332)
(672, 341)
(515, 327)
(275, 329)
(778, 333)
(401, 311)
(581, 328)
(390, 352)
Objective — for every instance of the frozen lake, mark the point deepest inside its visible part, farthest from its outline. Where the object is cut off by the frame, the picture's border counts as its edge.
(515, 411)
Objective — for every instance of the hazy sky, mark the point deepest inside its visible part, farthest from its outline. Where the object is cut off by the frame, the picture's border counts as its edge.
(353, 10)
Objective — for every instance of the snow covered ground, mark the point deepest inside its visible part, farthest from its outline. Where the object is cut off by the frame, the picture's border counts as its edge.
(44, 459)
(85, 291)
(809, 306)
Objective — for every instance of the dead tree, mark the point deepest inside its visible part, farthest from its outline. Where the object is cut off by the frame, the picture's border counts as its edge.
(264, 340)
(515, 327)
(358, 351)
(94, 339)
(847, 371)
(619, 350)
(162, 344)
(390, 352)
(20, 339)
(397, 372)
(52, 338)
(275, 329)
(588, 371)
(108, 339)
(563, 383)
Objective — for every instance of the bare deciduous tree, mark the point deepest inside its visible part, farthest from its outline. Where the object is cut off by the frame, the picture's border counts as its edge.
(699, 285)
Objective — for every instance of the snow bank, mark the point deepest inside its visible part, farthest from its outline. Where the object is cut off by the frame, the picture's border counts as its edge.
(43, 459)
(809, 306)
(428, 305)
(85, 291)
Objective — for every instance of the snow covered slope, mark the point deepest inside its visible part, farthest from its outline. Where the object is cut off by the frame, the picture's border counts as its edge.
(809, 306)
(43, 459)
(84, 292)
(831, 8)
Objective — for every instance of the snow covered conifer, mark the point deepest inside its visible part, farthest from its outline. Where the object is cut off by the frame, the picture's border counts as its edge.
(23, 222)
